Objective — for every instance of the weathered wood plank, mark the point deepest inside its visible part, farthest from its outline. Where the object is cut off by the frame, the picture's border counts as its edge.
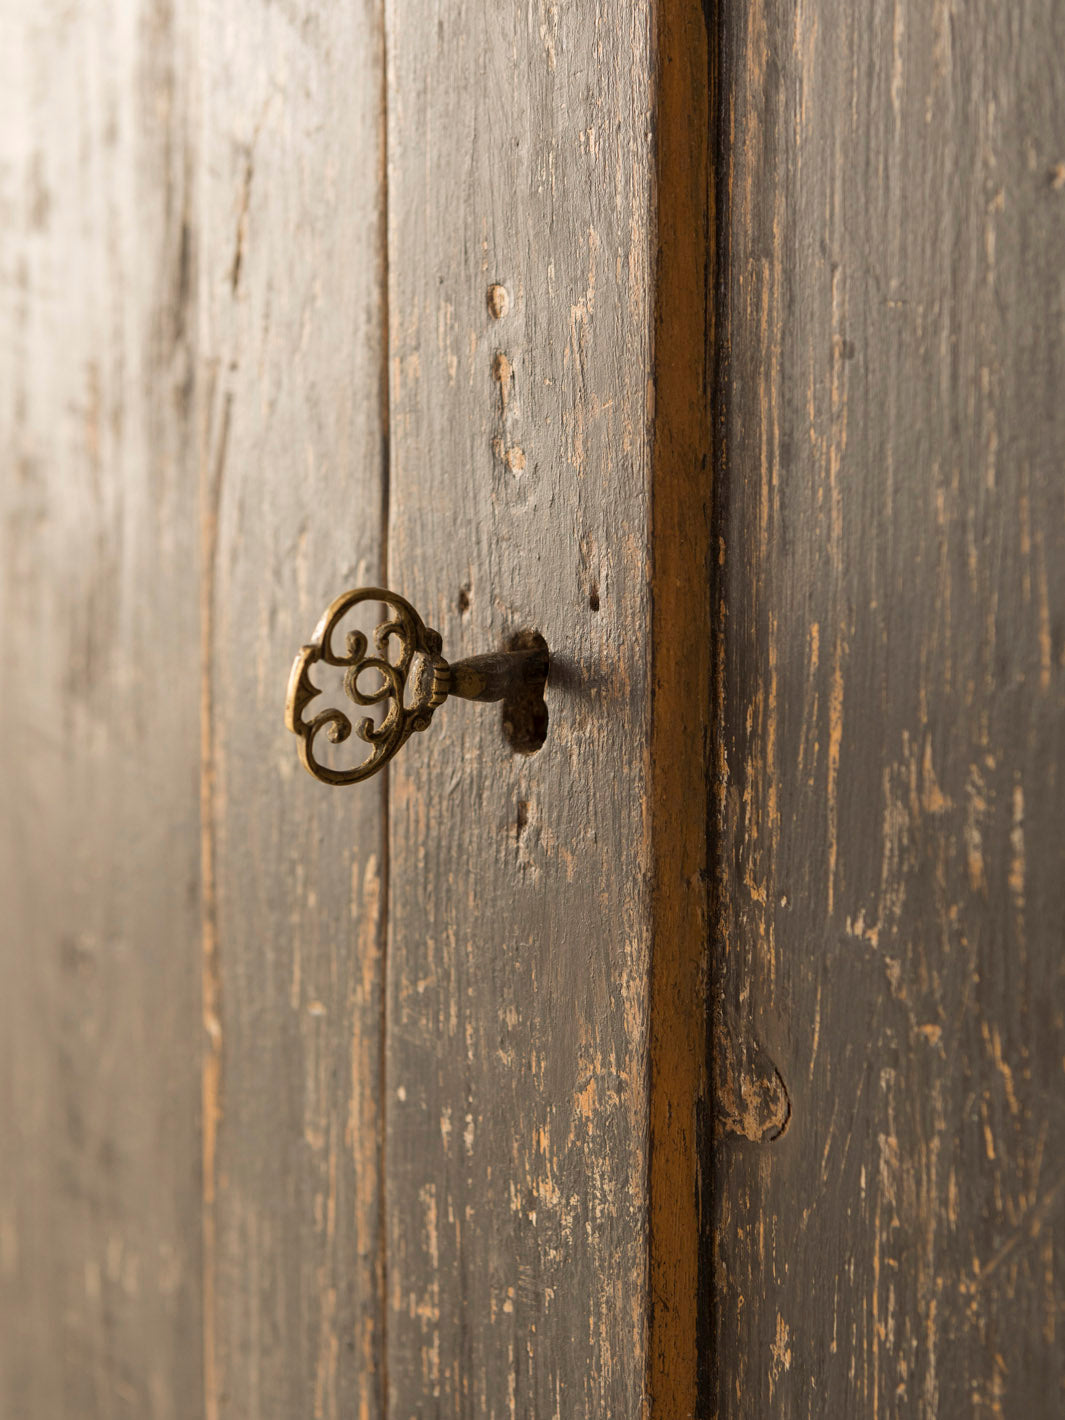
(892, 884)
(99, 720)
(292, 360)
(522, 311)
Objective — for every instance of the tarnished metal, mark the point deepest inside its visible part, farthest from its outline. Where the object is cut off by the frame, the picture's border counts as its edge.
(418, 666)
(412, 685)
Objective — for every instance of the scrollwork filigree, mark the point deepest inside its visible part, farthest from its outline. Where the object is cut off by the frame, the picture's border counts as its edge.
(419, 672)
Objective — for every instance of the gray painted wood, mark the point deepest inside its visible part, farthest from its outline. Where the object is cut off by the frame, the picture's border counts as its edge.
(291, 361)
(519, 919)
(891, 885)
(888, 1022)
(196, 307)
(99, 721)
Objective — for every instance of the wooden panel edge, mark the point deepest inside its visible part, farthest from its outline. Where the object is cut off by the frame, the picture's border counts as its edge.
(681, 638)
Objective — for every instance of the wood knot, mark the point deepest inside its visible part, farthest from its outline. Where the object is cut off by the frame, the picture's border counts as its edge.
(751, 1097)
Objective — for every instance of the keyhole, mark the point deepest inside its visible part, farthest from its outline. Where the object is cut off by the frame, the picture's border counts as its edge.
(525, 709)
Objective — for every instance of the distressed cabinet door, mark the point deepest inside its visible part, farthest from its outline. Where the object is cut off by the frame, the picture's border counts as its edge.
(702, 1055)
(887, 1176)
(377, 1101)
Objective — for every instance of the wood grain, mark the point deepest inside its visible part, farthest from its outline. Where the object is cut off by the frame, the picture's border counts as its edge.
(292, 487)
(889, 1158)
(99, 737)
(520, 926)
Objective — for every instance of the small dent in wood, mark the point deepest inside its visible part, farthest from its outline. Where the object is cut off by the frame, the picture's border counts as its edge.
(498, 301)
(593, 597)
(502, 373)
(511, 455)
(462, 601)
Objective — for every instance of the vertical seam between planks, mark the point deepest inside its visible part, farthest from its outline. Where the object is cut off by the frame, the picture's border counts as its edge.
(210, 486)
(384, 928)
(211, 457)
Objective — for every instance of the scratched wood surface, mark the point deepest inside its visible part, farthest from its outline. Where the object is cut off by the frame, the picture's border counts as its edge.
(522, 309)
(889, 1166)
(99, 721)
(195, 299)
(292, 481)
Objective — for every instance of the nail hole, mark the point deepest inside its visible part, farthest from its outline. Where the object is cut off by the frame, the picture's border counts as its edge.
(463, 600)
(525, 711)
(593, 597)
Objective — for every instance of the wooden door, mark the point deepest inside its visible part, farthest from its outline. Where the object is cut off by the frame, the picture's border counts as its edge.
(888, 1214)
(343, 1102)
(706, 1059)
